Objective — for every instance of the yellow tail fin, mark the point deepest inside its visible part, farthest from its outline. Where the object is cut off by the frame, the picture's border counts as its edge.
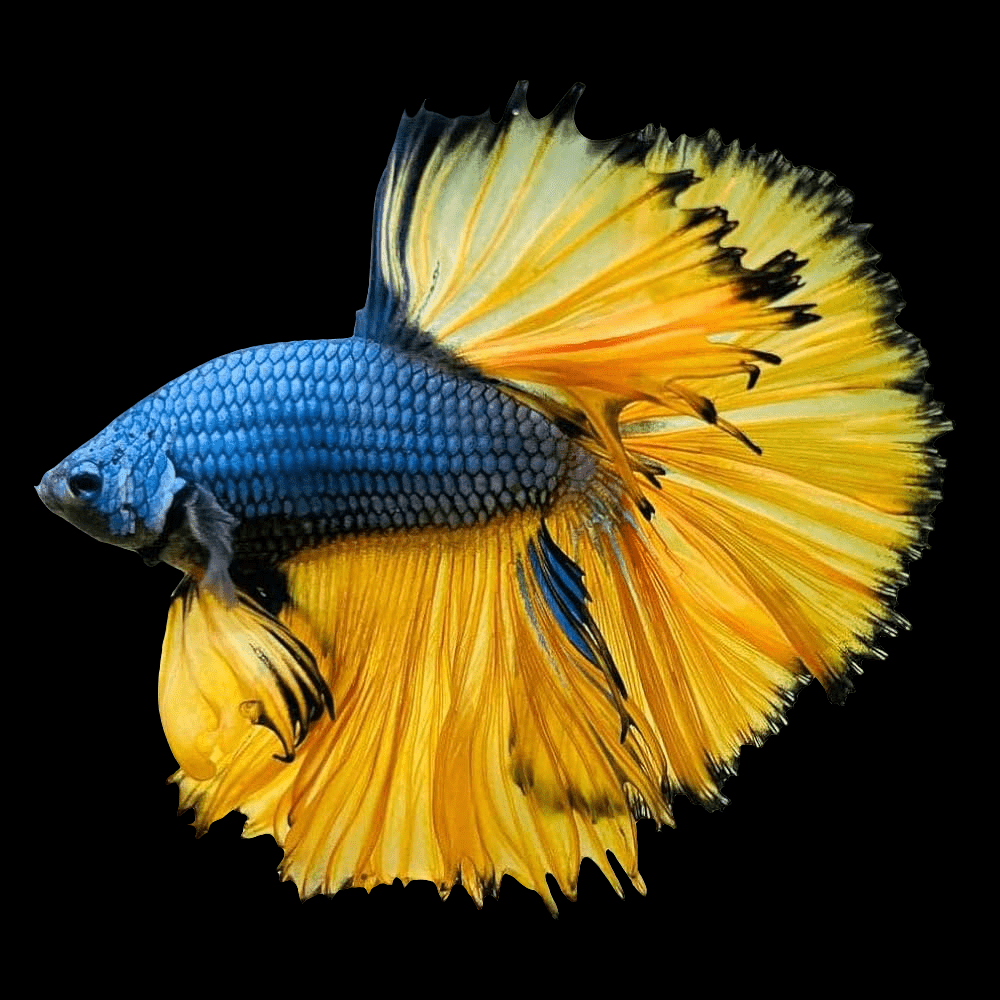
(510, 697)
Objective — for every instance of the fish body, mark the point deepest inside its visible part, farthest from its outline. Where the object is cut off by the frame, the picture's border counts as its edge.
(258, 454)
(625, 448)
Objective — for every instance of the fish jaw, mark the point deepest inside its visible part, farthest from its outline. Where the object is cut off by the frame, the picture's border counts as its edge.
(116, 523)
(55, 493)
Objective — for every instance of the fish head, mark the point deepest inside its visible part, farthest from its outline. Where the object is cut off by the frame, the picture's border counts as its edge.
(118, 487)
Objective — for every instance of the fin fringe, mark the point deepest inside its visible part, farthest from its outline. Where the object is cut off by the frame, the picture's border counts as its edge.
(510, 703)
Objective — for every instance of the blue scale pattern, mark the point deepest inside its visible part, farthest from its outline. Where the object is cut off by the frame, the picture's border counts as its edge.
(307, 440)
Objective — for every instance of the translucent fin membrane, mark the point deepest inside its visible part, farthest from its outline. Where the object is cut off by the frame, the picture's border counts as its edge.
(709, 324)
(479, 731)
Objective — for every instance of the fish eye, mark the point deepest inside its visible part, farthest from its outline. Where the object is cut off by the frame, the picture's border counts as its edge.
(85, 482)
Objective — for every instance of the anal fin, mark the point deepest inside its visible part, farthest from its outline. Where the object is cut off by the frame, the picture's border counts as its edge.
(480, 728)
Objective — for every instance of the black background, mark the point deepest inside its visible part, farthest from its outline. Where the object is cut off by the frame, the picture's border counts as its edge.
(183, 206)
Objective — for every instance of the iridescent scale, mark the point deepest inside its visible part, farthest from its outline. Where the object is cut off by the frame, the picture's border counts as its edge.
(308, 440)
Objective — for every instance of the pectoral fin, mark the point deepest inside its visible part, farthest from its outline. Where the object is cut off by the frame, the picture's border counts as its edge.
(212, 527)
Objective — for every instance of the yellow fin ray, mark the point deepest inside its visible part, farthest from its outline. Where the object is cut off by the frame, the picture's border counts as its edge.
(472, 739)
(707, 665)
(817, 526)
(563, 266)
(633, 289)
(224, 671)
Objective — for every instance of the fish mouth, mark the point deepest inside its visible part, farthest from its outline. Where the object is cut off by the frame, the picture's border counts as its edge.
(55, 493)
(49, 491)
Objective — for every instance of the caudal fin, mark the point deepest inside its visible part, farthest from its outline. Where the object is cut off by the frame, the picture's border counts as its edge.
(711, 327)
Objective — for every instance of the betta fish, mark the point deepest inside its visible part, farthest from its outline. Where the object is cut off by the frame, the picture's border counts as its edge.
(626, 448)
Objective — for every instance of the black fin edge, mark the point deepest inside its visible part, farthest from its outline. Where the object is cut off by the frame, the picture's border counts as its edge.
(771, 282)
(314, 697)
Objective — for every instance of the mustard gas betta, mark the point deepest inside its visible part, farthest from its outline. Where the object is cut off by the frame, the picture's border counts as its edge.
(626, 446)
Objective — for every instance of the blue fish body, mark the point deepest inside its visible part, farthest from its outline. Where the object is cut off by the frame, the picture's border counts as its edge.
(297, 443)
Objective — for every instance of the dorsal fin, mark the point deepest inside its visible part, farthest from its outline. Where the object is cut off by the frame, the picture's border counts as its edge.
(558, 265)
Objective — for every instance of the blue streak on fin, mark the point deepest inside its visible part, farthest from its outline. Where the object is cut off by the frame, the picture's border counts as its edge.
(561, 583)
(561, 602)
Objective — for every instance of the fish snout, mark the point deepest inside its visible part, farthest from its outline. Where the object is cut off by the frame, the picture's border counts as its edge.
(53, 490)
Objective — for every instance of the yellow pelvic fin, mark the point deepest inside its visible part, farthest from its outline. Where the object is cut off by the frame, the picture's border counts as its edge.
(225, 670)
